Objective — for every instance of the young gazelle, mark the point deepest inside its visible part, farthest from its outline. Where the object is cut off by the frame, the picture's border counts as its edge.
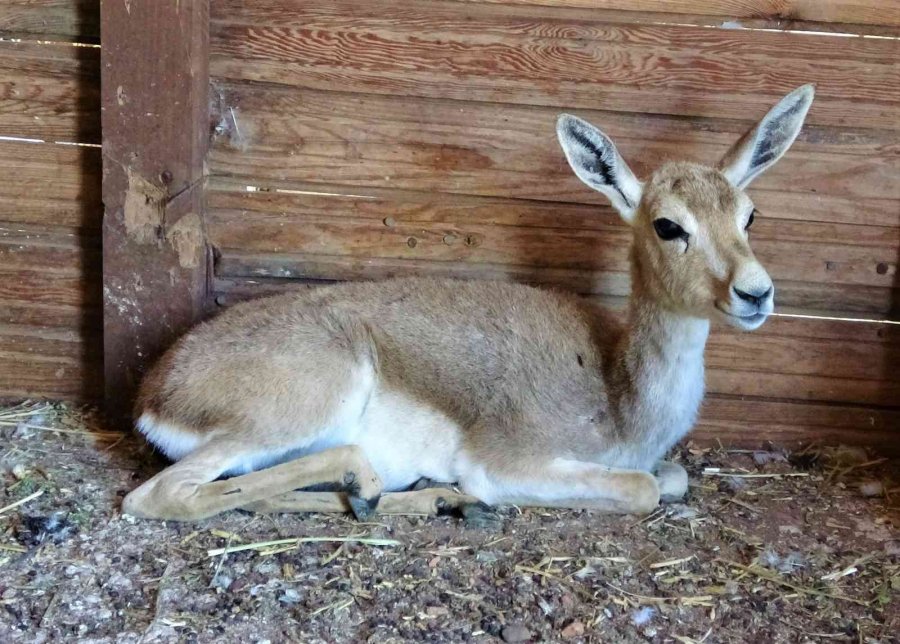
(518, 394)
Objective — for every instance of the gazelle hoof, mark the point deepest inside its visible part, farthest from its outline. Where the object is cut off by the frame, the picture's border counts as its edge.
(363, 509)
(482, 516)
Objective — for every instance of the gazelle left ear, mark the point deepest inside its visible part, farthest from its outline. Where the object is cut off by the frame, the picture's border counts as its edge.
(769, 139)
(595, 160)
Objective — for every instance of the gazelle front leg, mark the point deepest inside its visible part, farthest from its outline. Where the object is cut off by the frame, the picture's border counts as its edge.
(188, 491)
(567, 483)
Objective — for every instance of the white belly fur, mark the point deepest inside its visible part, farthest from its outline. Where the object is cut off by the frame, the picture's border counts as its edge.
(406, 440)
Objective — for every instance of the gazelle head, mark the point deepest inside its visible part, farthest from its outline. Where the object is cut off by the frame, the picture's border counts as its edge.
(691, 222)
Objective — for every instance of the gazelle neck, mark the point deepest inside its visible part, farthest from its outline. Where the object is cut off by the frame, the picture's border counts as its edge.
(658, 337)
(662, 354)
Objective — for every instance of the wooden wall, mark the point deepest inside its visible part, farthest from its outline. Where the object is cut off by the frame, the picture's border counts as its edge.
(367, 139)
(358, 140)
(50, 208)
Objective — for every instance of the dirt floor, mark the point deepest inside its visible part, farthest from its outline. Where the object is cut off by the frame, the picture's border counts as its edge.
(768, 547)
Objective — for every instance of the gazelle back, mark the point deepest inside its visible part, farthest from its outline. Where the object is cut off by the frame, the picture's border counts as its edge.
(518, 394)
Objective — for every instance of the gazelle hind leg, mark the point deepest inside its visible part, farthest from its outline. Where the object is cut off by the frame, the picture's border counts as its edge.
(188, 491)
(427, 501)
(672, 480)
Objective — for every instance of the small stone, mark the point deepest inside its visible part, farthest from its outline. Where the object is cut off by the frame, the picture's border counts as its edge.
(761, 458)
(222, 581)
(486, 557)
(871, 488)
(437, 611)
(289, 596)
(682, 511)
(19, 471)
(575, 629)
(547, 608)
(491, 625)
(643, 615)
(515, 633)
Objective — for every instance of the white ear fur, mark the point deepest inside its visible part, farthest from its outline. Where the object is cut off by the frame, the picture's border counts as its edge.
(597, 163)
(769, 139)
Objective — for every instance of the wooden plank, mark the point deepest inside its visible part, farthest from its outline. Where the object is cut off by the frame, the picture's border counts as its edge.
(74, 19)
(800, 359)
(271, 135)
(154, 143)
(37, 366)
(804, 258)
(50, 343)
(53, 185)
(870, 12)
(847, 300)
(811, 360)
(541, 56)
(500, 20)
(59, 267)
(753, 423)
(72, 379)
(333, 236)
(50, 91)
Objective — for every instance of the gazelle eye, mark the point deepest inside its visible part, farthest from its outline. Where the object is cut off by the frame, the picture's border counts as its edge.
(750, 220)
(668, 229)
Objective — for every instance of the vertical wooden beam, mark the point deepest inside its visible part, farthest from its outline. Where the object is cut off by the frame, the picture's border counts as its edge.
(155, 109)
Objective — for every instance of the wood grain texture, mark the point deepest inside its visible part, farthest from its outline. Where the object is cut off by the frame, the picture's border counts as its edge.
(50, 344)
(270, 135)
(50, 91)
(869, 12)
(535, 55)
(50, 184)
(56, 266)
(50, 208)
(753, 423)
(154, 144)
(35, 367)
(582, 247)
(65, 19)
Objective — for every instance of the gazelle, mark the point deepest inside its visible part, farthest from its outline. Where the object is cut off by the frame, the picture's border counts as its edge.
(518, 394)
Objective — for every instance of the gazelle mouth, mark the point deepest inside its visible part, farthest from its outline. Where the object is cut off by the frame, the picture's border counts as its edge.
(752, 319)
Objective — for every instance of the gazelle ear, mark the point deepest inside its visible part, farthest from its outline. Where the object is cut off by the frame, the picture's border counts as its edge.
(769, 139)
(597, 163)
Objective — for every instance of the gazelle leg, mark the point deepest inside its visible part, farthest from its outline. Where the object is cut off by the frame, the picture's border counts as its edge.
(431, 501)
(188, 491)
(427, 501)
(300, 501)
(673, 481)
(568, 483)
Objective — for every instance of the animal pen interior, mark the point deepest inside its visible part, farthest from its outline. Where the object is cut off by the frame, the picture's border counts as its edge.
(255, 146)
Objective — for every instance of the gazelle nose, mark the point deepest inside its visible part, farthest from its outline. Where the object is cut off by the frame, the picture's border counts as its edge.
(753, 298)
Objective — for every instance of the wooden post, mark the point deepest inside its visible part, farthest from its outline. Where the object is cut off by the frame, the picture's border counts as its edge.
(155, 86)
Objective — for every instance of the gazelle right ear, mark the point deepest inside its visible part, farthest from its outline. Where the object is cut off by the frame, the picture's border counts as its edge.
(597, 163)
(769, 139)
